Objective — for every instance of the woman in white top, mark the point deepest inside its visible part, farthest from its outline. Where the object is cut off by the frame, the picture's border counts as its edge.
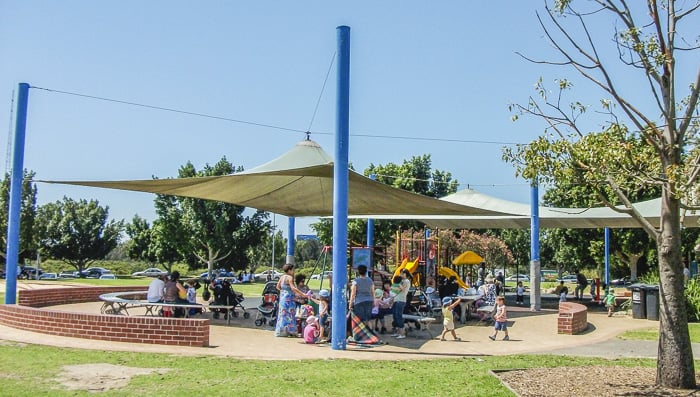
(400, 304)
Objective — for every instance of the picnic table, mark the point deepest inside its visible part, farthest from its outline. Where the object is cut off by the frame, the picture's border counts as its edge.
(466, 304)
(118, 303)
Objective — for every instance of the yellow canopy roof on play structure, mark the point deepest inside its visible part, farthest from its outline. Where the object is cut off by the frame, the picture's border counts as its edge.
(468, 258)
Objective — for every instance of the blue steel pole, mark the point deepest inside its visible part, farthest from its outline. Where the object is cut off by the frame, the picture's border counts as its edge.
(291, 222)
(535, 300)
(607, 256)
(370, 228)
(340, 191)
(12, 253)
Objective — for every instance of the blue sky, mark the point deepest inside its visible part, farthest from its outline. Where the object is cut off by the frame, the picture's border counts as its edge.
(420, 69)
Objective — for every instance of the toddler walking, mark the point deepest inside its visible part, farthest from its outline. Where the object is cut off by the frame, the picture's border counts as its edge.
(501, 319)
(610, 302)
(519, 293)
(448, 321)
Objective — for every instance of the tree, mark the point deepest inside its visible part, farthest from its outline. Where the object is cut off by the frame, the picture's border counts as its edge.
(141, 240)
(212, 232)
(414, 175)
(77, 232)
(648, 140)
(27, 239)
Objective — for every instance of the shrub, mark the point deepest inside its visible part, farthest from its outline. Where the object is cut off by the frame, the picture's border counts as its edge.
(692, 299)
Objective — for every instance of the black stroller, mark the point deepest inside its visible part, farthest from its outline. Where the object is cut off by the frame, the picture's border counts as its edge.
(267, 309)
(224, 295)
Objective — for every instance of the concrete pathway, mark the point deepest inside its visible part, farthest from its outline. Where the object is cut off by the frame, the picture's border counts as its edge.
(530, 333)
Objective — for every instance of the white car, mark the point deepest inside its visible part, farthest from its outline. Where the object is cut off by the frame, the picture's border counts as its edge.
(571, 278)
(108, 276)
(326, 275)
(518, 277)
(48, 276)
(151, 272)
(274, 275)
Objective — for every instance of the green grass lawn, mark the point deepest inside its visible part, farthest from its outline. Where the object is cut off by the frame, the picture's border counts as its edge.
(29, 370)
(652, 333)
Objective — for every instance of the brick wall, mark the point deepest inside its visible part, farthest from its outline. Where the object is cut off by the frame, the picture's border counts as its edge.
(68, 295)
(137, 329)
(573, 318)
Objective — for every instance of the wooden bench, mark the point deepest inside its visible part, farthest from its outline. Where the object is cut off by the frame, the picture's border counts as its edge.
(424, 322)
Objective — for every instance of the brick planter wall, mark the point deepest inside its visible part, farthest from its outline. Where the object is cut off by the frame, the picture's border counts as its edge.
(137, 329)
(68, 295)
(573, 318)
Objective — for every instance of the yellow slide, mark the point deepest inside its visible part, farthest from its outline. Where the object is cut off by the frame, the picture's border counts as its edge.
(447, 272)
(410, 266)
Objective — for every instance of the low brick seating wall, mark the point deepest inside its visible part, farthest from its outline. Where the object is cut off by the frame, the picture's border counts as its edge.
(67, 295)
(573, 318)
(137, 329)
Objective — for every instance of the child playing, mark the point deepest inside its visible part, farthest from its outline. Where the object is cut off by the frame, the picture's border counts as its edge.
(610, 302)
(323, 306)
(448, 318)
(501, 319)
(192, 297)
(519, 293)
(311, 332)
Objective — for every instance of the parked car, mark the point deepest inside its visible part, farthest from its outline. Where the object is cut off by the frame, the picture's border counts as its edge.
(108, 276)
(571, 278)
(94, 272)
(273, 275)
(68, 274)
(621, 282)
(518, 277)
(30, 272)
(150, 272)
(48, 276)
(326, 275)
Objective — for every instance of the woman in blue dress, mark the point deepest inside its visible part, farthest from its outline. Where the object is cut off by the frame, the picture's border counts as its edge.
(286, 320)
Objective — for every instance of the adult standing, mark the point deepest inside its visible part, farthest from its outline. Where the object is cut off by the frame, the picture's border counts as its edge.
(400, 303)
(581, 284)
(156, 289)
(480, 274)
(361, 299)
(286, 321)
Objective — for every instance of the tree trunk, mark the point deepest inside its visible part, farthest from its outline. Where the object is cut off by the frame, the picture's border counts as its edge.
(675, 367)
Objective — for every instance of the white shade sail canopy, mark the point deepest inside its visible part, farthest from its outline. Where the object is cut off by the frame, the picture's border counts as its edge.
(549, 217)
(299, 183)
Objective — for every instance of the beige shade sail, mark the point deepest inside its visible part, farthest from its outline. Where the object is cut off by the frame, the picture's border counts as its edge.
(468, 258)
(299, 183)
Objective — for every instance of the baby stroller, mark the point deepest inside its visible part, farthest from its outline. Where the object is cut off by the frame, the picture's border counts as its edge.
(224, 295)
(267, 309)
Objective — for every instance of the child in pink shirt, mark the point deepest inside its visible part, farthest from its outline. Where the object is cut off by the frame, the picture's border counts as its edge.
(311, 331)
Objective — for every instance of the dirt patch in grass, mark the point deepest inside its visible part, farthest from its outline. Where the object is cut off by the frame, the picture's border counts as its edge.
(101, 377)
(588, 381)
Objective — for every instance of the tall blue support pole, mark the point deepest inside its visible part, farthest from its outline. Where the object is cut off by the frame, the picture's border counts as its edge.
(607, 256)
(370, 228)
(535, 299)
(340, 191)
(290, 239)
(12, 253)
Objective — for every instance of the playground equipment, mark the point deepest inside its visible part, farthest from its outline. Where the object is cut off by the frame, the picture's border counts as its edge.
(447, 272)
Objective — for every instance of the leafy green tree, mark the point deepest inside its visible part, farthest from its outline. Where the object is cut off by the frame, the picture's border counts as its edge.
(140, 240)
(307, 251)
(415, 175)
(196, 230)
(648, 140)
(77, 232)
(27, 238)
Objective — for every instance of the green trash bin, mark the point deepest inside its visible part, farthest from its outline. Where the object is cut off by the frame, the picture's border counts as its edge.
(652, 301)
(639, 301)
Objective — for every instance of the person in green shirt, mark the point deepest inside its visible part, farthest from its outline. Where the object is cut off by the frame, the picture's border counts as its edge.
(610, 302)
